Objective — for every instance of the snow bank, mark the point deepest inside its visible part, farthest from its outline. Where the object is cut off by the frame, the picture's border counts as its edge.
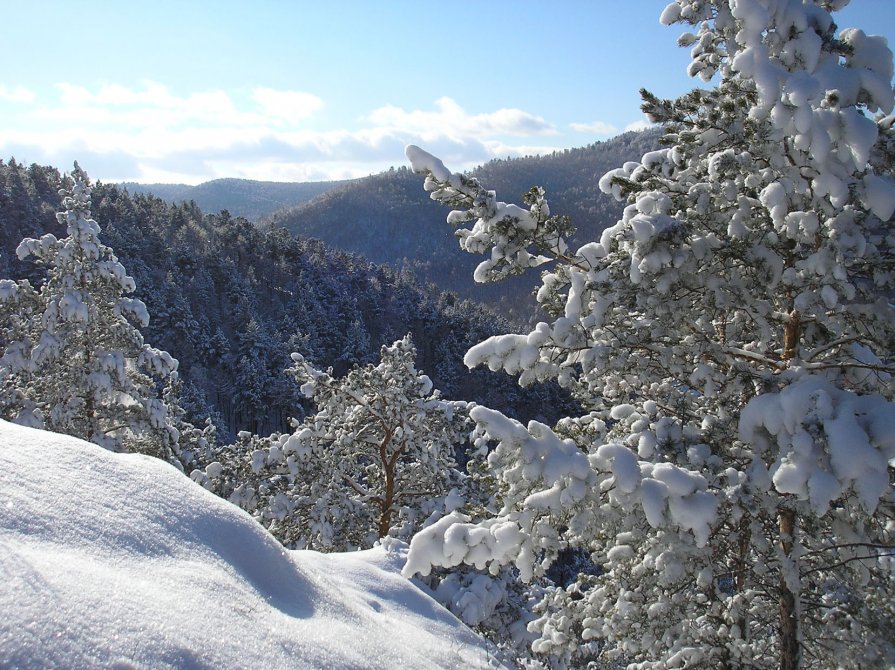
(112, 560)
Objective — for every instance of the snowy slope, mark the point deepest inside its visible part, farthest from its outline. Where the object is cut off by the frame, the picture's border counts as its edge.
(111, 560)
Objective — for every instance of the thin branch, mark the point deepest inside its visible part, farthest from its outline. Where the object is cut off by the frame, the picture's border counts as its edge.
(360, 489)
(833, 547)
(742, 353)
(862, 366)
(831, 345)
(845, 562)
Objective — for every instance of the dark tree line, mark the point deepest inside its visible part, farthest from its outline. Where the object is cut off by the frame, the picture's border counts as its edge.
(231, 301)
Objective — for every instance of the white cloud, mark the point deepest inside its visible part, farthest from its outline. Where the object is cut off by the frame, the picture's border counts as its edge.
(451, 119)
(151, 105)
(17, 94)
(643, 124)
(595, 128)
(286, 105)
(147, 132)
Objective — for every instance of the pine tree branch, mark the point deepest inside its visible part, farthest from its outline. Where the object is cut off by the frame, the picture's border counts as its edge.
(846, 545)
(831, 345)
(845, 562)
(357, 487)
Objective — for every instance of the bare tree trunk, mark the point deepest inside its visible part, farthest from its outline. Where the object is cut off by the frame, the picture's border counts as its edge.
(385, 517)
(791, 334)
(388, 497)
(790, 651)
(743, 545)
(90, 414)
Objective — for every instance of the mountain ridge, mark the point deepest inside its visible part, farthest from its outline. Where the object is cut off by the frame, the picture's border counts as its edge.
(390, 219)
(249, 198)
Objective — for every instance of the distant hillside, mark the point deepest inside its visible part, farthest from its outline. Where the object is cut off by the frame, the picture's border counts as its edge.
(231, 301)
(241, 197)
(390, 219)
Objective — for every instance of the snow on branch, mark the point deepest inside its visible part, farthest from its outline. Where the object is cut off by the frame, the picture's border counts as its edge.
(515, 238)
(828, 442)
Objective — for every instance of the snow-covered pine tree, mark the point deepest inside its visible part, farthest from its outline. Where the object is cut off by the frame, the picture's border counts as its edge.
(74, 360)
(732, 336)
(377, 457)
(193, 445)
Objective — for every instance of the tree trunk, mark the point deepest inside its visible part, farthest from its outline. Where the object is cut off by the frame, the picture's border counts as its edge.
(90, 414)
(743, 545)
(790, 651)
(791, 334)
(388, 497)
(385, 517)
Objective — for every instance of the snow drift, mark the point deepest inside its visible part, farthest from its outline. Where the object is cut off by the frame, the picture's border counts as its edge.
(118, 560)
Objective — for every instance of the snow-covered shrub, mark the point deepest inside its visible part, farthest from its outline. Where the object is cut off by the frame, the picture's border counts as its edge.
(731, 338)
(377, 458)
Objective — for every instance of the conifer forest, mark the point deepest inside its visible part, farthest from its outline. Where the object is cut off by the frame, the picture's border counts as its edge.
(629, 405)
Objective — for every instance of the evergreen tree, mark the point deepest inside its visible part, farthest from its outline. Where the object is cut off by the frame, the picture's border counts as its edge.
(74, 360)
(732, 340)
(377, 458)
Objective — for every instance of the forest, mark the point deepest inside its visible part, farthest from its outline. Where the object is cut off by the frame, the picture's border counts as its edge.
(231, 301)
(682, 457)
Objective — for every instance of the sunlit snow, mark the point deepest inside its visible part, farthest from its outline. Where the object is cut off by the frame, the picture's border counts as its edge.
(118, 560)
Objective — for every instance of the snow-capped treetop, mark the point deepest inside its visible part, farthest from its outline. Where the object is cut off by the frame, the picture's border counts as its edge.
(379, 450)
(789, 48)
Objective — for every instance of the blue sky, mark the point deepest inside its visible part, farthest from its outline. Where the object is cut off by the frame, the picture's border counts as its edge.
(301, 91)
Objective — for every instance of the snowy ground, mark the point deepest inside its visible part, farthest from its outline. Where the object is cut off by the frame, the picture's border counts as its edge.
(118, 561)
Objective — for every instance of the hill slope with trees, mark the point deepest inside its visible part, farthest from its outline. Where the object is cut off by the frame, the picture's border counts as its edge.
(241, 197)
(231, 302)
(388, 219)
